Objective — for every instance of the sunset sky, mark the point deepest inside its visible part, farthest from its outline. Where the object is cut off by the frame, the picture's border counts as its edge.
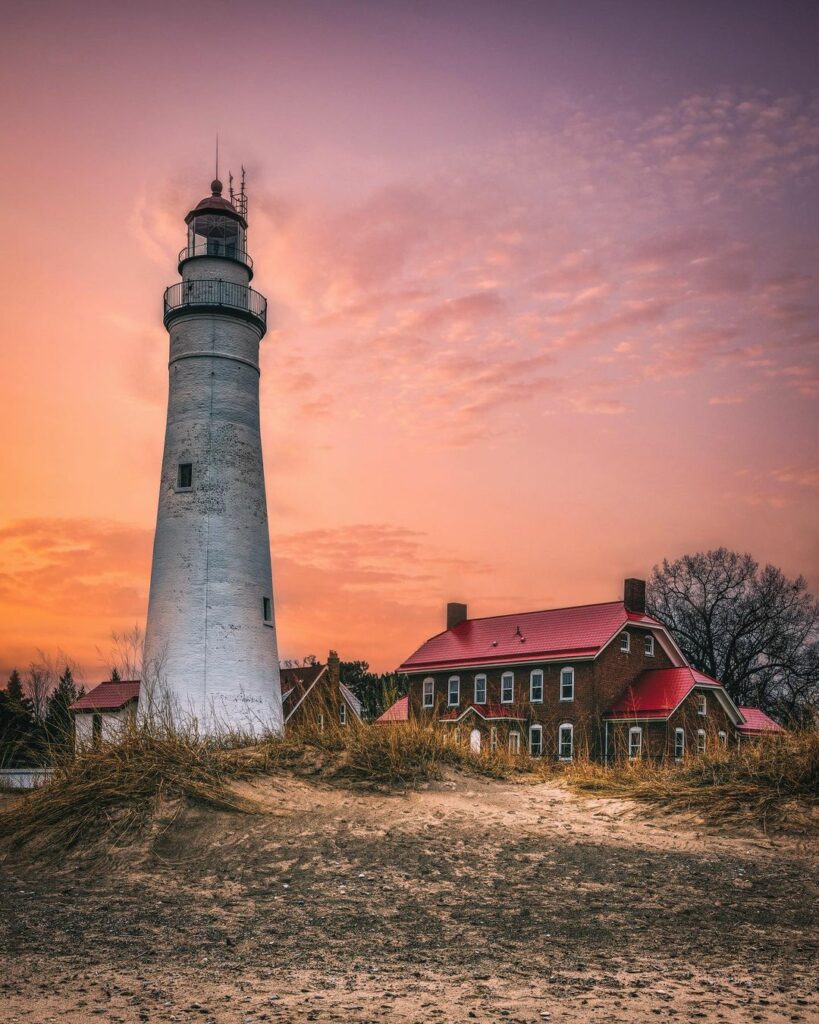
(543, 281)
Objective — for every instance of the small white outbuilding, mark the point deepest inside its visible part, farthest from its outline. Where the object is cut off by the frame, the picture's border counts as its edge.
(102, 714)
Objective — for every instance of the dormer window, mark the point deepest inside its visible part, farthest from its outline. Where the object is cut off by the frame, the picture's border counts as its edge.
(702, 705)
(649, 645)
(625, 643)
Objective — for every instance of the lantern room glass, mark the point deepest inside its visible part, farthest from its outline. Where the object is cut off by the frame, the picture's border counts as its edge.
(212, 234)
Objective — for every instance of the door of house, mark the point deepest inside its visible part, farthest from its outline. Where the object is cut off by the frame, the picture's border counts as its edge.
(475, 741)
(514, 742)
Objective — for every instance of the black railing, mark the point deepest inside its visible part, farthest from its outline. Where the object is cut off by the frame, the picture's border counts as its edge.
(215, 247)
(238, 298)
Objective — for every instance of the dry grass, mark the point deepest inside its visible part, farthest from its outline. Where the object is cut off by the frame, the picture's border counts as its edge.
(111, 795)
(773, 783)
(107, 795)
(102, 798)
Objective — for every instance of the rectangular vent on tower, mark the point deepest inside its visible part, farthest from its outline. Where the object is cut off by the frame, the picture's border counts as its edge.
(184, 476)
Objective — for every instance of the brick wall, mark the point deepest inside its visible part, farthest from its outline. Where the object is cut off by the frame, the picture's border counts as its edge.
(598, 683)
(658, 738)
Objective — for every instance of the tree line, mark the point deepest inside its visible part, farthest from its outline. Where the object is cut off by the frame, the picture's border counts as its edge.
(35, 722)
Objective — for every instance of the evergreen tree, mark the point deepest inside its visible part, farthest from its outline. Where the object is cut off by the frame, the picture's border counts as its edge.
(17, 726)
(376, 692)
(115, 676)
(58, 719)
(15, 692)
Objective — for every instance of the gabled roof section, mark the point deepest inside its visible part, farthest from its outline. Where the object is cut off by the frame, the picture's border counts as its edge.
(397, 712)
(108, 696)
(351, 699)
(570, 633)
(657, 693)
(757, 722)
(296, 683)
(486, 711)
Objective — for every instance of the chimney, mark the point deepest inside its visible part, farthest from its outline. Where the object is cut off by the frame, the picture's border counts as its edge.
(455, 614)
(634, 596)
(333, 668)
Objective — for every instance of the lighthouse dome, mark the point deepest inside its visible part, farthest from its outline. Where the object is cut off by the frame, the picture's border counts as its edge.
(216, 203)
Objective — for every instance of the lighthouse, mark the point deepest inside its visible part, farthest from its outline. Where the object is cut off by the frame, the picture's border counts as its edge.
(210, 655)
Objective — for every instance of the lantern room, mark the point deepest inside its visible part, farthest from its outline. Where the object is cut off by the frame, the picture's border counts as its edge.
(216, 228)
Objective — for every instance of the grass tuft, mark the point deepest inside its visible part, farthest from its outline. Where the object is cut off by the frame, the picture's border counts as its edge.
(772, 783)
(113, 793)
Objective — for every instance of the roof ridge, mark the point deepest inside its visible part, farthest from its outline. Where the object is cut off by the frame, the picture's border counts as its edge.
(536, 611)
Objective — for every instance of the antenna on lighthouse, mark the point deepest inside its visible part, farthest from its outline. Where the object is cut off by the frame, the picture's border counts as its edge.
(217, 157)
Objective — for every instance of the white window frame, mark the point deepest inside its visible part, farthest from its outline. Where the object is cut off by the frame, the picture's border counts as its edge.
(679, 747)
(450, 703)
(635, 730)
(342, 713)
(493, 738)
(701, 741)
(478, 677)
(511, 698)
(321, 721)
(570, 728)
(625, 642)
(532, 698)
(428, 693)
(514, 742)
(570, 670)
(536, 731)
(648, 640)
(723, 738)
(702, 705)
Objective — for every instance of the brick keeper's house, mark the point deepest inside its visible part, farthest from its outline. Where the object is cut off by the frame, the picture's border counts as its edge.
(606, 680)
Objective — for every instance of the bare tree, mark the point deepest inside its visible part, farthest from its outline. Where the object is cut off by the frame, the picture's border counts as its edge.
(752, 628)
(127, 651)
(40, 680)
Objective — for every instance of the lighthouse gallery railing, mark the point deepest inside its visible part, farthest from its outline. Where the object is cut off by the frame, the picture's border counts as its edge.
(180, 297)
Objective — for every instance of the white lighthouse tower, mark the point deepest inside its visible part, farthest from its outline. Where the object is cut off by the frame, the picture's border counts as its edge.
(210, 639)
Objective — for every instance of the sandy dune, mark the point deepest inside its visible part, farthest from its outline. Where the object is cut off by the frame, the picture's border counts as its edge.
(466, 901)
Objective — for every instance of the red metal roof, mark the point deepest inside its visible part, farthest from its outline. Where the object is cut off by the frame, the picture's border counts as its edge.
(657, 692)
(108, 696)
(528, 636)
(486, 711)
(757, 721)
(397, 712)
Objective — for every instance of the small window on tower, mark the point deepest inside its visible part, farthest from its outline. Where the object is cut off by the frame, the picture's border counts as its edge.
(184, 476)
(267, 609)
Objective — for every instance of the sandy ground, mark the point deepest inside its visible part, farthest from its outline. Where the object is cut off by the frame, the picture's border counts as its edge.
(468, 901)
